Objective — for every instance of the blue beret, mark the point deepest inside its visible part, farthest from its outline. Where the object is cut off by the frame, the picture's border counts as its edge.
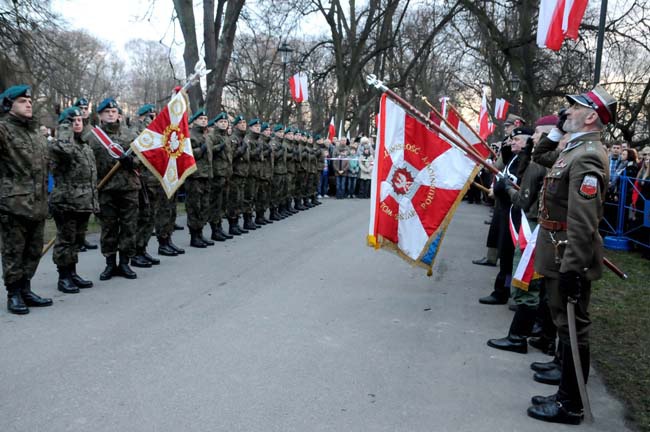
(254, 122)
(277, 127)
(239, 118)
(81, 102)
(197, 114)
(14, 92)
(69, 113)
(107, 103)
(146, 109)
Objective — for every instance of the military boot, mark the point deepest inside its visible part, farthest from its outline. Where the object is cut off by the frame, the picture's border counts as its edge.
(307, 203)
(152, 260)
(265, 219)
(205, 240)
(222, 232)
(123, 268)
(284, 212)
(274, 214)
(15, 303)
(298, 205)
(171, 244)
(248, 222)
(233, 227)
(32, 299)
(164, 249)
(259, 219)
(520, 328)
(111, 266)
(139, 260)
(78, 280)
(195, 240)
(66, 284)
(290, 208)
(315, 201)
(216, 234)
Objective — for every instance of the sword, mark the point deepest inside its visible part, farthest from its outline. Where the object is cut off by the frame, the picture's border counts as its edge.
(577, 363)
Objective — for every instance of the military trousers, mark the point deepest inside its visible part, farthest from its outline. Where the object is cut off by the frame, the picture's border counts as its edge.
(70, 233)
(166, 216)
(278, 194)
(218, 198)
(314, 182)
(150, 201)
(250, 194)
(557, 303)
(299, 189)
(290, 186)
(118, 216)
(197, 202)
(236, 196)
(22, 244)
(263, 201)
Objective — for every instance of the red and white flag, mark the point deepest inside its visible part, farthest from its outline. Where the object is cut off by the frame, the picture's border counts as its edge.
(331, 133)
(485, 127)
(525, 271)
(501, 109)
(418, 180)
(558, 20)
(299, 86)
(164, 147)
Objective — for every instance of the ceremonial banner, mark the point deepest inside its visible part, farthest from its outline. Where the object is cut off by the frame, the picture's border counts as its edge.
(331, 133)
(485, 127)
(526, 268)
(454, 119)
(299, 86)
(559, 19)
(418, 181)
(501, 109)
(164, 147)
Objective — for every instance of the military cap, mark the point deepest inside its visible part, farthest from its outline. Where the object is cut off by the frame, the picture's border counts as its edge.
(521, 130)
(221, 116)
(197, 114)
(107, 103)
(599, 100)
(549, 120)
(13, 93)
(69, 113)
(212, 122)
(317, 137)
(265, 126)
(239, 118)
(254, 122)
(512, 118)
(278, 127)
(146, 109)
(81, 102)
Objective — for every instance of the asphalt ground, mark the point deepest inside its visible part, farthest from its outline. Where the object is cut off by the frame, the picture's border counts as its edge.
(298, 326)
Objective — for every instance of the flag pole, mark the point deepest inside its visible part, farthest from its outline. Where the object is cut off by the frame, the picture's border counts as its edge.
(600, 42)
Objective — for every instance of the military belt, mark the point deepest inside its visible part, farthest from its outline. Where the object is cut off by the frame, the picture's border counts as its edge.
(552, 225)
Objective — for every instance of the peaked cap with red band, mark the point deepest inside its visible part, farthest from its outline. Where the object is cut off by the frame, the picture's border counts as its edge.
(599, 100)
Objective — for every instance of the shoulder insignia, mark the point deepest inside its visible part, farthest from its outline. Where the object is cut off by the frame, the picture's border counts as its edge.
(560, 163)
(589, 187)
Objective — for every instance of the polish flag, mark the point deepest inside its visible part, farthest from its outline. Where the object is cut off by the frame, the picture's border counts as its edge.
(331, 134)
(299, 87)
(558, 20)
(501, 109)
(485, 128)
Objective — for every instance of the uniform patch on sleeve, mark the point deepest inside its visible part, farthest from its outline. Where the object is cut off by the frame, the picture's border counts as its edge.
(589, 187)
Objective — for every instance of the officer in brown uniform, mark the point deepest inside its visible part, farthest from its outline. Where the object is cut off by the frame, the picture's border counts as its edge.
(23, 198)
(569, 249)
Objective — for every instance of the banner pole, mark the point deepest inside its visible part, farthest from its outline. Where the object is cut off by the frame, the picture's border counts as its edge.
(601, 41)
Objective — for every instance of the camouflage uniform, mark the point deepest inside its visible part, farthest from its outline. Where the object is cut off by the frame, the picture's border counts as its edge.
(252, 181)
(265, 179)
(197, 187)
(291, 149)
(302, 170)
(278, 195)
(221, 175)
(240, 168)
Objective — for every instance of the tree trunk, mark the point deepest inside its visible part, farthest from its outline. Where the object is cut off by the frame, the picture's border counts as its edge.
(185, 13)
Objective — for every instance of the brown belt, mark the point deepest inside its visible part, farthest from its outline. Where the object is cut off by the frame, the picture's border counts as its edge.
(552, 225)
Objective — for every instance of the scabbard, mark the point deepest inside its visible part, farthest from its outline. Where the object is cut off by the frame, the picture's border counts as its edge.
(577, 363)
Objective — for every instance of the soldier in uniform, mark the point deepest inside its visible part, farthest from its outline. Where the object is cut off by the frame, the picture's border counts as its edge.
(570, 255)
(150, 197)
(279, 174)
(240, 169)
(197, 187)
(221, 152)
(288, 144)
(312, 183)
(119, 198)
(23, 198)
(250, 192)
(266, 176)
(302, 165)
(74, 197)
(83, 104)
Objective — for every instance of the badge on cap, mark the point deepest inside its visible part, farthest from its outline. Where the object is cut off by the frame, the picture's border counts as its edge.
(589, 187)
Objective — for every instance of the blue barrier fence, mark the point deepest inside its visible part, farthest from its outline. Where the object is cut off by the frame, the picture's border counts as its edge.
(625, 224)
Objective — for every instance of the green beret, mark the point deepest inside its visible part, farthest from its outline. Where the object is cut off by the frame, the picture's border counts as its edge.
(69, 113)
(13, 93)
(146, 109)
(254, 122)
(212, 122)
(107, 103)
(277, 127)
(197, 114)
(265, 126)
(317, 137)
(239, 118)
(221, 116)
(289, 129)
(81, 102)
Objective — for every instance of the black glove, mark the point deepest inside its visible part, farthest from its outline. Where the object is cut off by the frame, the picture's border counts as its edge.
(563, 115)
(500, 187)
(126, 161)
(571, 284)
(528, 149)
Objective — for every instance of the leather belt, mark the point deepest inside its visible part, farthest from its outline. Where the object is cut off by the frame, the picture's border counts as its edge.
(551, 225)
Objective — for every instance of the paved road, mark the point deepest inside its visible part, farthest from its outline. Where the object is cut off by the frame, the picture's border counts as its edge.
(297, 327)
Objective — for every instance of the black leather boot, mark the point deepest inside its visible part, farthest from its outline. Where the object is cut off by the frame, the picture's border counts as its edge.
(274, 214)
(195, 241)
(500, 293)
(32, 299)
(248, 222)
(111, 266)
(15, 303)
(550, 377)
(315, 201)
(217, 235)
(164, 249)
(65, 284)
(546, 366)
(265, 219)
(140, 261)
(207, 241)
(222, 232)
(259, 220)
(171, 244)
(298, 205)
(124, 270)
(78, 280)
(152, 260)
(233, 227)
(520, 328)
(556, 412)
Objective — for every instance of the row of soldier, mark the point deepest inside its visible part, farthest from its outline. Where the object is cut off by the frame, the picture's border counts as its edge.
(245, 170)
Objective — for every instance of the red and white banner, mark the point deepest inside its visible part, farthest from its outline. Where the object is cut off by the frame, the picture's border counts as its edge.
(114, 149)
(558, 20)
(520, 237)
(299, 86)
(164, 147)
(485, 127)
(331, 133)
(501, 109)
(418, 180)
(525, 271)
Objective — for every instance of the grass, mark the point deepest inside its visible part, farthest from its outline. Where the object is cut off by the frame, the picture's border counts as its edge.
(620, 335)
